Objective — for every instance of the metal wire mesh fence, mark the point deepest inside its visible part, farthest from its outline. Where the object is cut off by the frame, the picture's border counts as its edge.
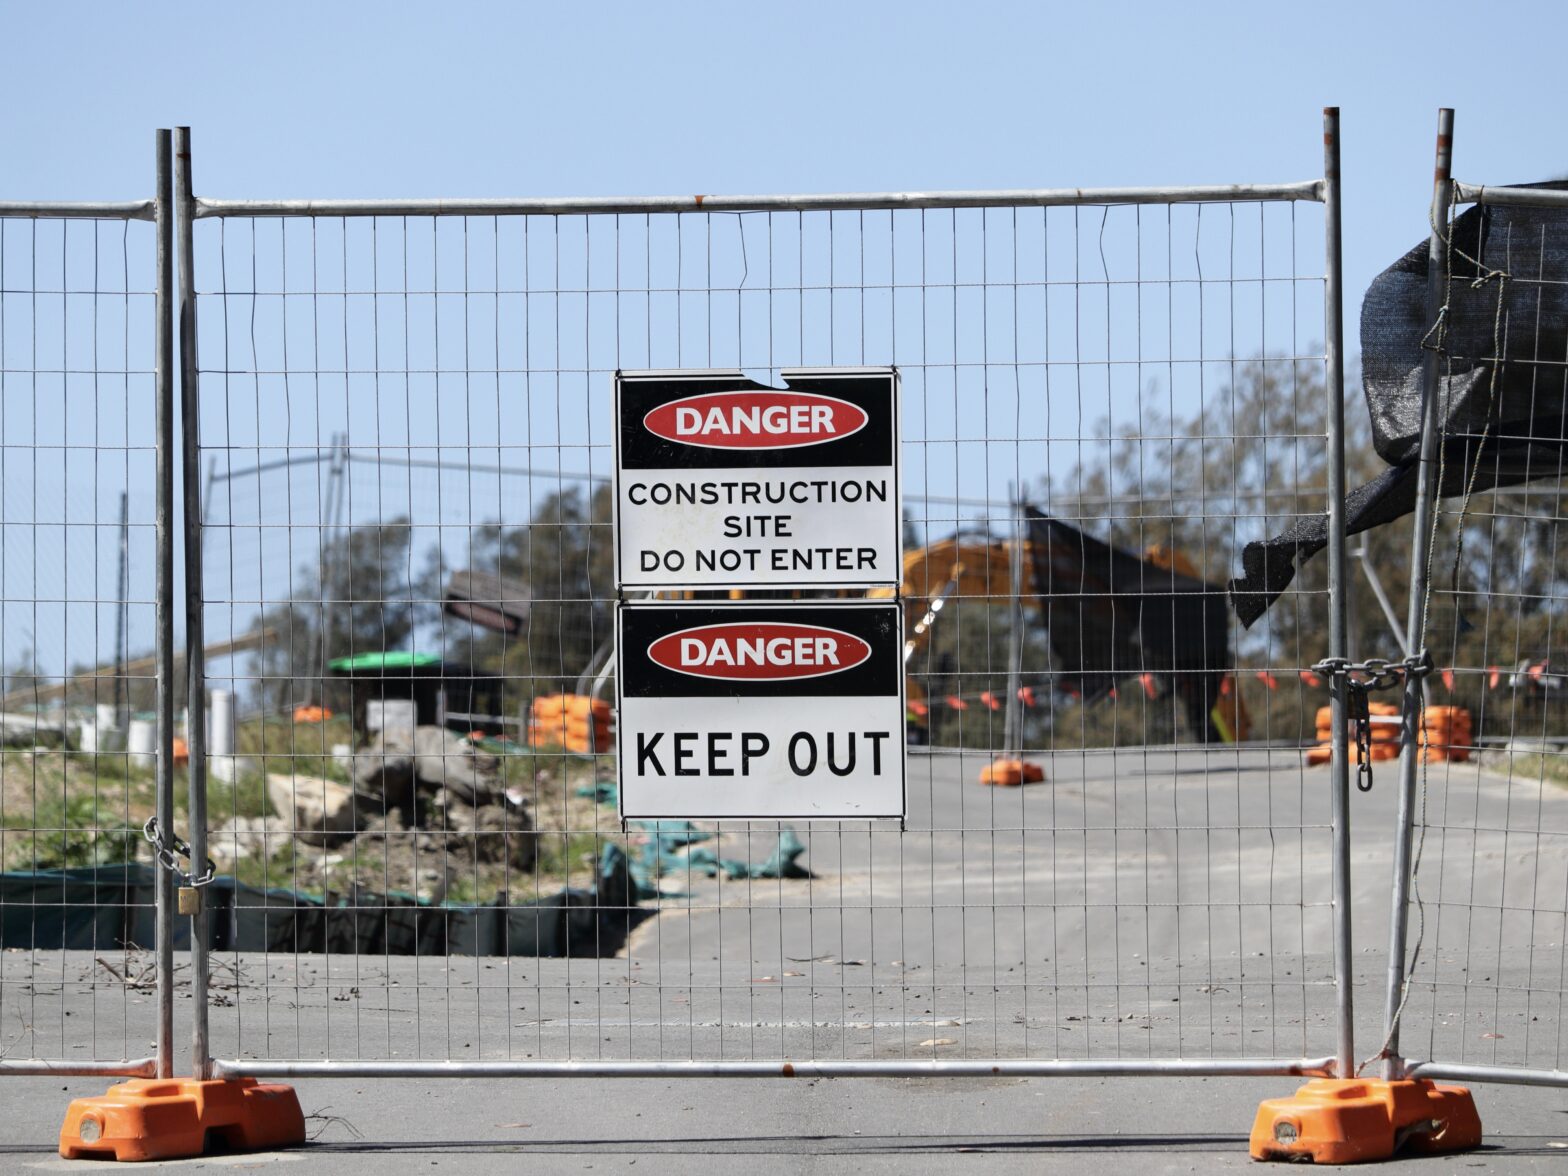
(77, 632)
(401, 618)
(1483, 994)
(405, 432)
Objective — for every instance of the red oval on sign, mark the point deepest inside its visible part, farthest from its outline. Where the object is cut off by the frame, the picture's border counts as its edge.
(763, 418)
(759, 651)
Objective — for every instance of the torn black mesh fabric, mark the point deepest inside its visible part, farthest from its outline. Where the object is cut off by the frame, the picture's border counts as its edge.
(1507, 314)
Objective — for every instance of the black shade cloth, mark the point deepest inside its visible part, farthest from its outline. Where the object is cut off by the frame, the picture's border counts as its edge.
(1510, 429)
(1110, 615)
(112, 907)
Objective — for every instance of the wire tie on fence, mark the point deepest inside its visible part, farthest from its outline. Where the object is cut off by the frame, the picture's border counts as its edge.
(168, 854)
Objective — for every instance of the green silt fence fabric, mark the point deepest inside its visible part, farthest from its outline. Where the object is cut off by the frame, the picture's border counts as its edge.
(95, 907)
(112, 906)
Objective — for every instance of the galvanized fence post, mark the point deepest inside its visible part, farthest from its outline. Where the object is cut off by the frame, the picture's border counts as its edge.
(1338, 641)
(164, 304)
(196, 692)
(1423, 525)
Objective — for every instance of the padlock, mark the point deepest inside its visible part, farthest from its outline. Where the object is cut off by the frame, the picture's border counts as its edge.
(190, 900)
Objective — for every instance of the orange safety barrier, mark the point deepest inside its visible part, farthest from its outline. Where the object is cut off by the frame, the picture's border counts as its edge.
(1378, 710)
(572, 705)
(582, 743)
(1383, 735)
(171, 1118)
(600, 712)
(1011, 773)
(311, 714)
(1378, 753)
(1384, 732)
(1447, 733)
(1348, 1121)
(572, 721)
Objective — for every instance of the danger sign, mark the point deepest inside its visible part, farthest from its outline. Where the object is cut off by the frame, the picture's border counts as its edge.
(761, 711)
(755, 652)
(756, 420)
(721, 481)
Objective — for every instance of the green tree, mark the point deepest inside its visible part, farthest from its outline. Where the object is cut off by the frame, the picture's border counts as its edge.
(1244, 464)
(565, 557)
(361, 595)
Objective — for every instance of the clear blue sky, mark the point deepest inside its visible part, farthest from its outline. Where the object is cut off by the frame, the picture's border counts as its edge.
(469, 99)
(398, 99)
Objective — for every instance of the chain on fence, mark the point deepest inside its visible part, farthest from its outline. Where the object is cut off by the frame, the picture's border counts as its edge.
(405, 433)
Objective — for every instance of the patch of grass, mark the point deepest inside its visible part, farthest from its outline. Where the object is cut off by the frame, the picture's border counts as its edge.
(519, 769)
(245, 797)
(111, 767)
(464, 889)
(86, 829)
(268, 872)
(295, 749)
(1550, 767)
(560, 855)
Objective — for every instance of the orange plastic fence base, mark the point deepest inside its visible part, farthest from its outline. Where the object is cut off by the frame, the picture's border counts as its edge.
(1350, 1121)
(1011, 773)
(171, 1118)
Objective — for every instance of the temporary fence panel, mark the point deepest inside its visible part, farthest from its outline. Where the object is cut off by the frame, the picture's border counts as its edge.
(85, 972)
(1477, 984)
(402, 401)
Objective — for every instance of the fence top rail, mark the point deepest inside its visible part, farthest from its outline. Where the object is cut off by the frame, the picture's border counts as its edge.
(1515, 197)
(1309, 190)
(143, 210)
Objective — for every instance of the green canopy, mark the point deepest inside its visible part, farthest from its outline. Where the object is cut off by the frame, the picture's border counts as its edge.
(397, 659)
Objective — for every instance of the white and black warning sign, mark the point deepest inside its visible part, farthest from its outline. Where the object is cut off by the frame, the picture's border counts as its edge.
(722, 481)
(740, 711)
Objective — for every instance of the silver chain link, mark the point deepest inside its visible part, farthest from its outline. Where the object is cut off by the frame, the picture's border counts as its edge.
(168, 854)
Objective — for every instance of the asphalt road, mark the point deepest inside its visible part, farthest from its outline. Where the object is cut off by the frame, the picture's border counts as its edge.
(1141, 904)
